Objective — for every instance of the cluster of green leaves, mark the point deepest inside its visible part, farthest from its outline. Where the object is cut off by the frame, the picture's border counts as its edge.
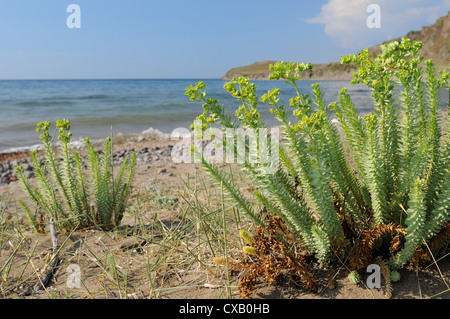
(389, 166)
(402, 149)
(73, 196)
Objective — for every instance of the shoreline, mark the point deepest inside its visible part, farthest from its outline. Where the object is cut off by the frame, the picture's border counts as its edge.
(148, 152)
(77, 143)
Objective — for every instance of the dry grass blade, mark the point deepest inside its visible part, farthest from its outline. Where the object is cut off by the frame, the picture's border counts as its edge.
(386, 272)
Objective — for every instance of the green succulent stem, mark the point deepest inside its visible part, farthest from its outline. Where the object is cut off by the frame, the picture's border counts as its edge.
(62, 191)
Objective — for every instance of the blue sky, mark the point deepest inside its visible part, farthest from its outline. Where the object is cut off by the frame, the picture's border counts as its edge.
(191, 39)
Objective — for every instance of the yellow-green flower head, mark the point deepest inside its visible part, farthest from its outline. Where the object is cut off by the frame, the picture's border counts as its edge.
(429, 62)
(348, 59)
(297, 113)
(200, 85)
(445, 75)
(370, 119)
(271, 96)
(250, 250)
(220, 260)
(303, 122)
(243, 81)
(42, 126)
(343, 91)
(282, 70)
(275, 75)
(63, 124)
(301, 67)
(65, 138)
(294, 102)
(333, 106)
(245, 236)
(265, 98)
(195, 92)
(315, 85)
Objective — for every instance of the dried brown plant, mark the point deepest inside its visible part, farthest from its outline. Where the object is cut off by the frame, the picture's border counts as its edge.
(273, 259)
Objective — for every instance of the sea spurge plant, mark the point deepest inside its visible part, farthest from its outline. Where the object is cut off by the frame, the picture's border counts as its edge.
(395, 276)
(290, 72)
(354, 277)
(245, 91)
(74, 197)
(342, 187)
(64, 134)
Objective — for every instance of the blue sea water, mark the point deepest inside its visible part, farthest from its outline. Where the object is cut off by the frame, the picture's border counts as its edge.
(128, 106)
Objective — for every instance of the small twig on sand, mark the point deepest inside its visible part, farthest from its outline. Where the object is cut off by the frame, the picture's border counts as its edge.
(418, 283)
(45, 280)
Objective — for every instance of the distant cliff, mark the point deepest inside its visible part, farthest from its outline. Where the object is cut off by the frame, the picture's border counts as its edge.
(436, 40)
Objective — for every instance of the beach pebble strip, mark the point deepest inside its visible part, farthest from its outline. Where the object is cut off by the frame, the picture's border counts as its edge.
(144, 156)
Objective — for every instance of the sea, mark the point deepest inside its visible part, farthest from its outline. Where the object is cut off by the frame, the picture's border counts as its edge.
(99, 108)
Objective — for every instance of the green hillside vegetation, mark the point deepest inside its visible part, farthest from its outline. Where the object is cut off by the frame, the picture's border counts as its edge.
(258, 70)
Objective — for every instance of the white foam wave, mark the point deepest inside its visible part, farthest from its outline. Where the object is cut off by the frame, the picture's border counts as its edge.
(79, 143)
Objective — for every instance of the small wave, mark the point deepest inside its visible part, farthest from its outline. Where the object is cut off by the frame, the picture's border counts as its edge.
(60, 100)
(21, 149)
(137, 119)
(30, 127)
(95, 97)
(78, 143)
(45, 103)
(146, 135)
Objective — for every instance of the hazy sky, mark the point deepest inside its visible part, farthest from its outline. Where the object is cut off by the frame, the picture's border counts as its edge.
(191, 39)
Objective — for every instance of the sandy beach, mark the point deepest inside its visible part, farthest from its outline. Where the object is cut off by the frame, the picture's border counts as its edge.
(183, 275)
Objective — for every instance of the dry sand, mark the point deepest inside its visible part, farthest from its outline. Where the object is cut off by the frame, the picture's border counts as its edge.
(199, 281)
